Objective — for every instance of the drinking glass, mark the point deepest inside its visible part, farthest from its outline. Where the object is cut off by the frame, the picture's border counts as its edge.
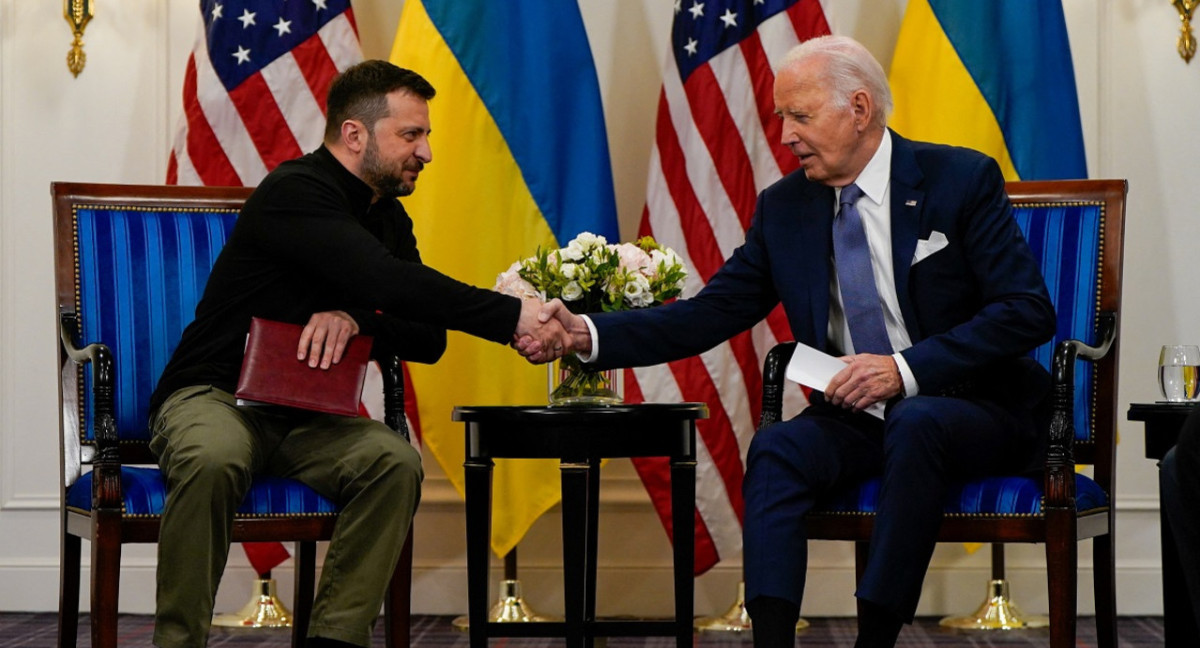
(1178, 372)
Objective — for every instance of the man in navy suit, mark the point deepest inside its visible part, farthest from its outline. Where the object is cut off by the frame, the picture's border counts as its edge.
(962, 302)
(1179, 483)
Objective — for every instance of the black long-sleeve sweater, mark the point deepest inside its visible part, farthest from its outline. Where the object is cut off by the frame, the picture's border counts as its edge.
(308, 240)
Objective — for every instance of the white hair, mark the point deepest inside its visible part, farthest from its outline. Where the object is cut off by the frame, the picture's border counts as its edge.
(849, 68)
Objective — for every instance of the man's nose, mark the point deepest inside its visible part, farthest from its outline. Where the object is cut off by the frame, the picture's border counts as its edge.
(425, 152)
(787, 135)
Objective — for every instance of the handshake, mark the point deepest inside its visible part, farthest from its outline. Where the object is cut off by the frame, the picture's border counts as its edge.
(548, 331)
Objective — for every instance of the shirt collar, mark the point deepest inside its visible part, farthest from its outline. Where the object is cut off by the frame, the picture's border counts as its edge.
(875, 176)
(359, 192)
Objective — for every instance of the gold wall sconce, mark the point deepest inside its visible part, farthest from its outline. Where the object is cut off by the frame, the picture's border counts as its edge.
(1187, 42)
(79, 13)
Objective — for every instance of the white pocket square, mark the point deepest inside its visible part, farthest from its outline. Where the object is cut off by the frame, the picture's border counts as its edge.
(926, 247)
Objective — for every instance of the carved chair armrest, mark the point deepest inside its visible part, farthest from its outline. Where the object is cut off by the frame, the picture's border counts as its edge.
(773, 374)
(103, 368)
(106, 483)
(68, 326)
(1060, 450)
(393, 394)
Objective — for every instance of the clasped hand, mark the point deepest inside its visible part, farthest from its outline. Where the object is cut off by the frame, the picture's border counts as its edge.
(866, 380)
(547, 332)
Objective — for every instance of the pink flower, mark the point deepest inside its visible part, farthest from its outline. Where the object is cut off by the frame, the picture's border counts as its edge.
(510, 282)
(634, 259)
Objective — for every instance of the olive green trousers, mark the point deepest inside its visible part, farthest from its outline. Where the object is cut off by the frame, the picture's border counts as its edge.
(209, 450)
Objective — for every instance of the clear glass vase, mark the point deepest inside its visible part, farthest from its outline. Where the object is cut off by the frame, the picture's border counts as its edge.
(573, 383)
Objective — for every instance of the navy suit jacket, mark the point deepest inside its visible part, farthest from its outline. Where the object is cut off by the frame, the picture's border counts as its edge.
(973, 308)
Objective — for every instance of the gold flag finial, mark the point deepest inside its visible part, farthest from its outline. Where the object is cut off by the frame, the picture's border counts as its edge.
(1187, 42)
(79, 13)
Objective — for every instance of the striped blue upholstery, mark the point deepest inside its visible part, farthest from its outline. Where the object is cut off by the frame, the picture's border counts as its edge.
(1005, 496)
(145, 494)
(140, 275)
(1065, 239)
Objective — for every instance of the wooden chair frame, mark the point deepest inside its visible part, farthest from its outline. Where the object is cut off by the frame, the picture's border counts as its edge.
(1061, 526)
(106, 526)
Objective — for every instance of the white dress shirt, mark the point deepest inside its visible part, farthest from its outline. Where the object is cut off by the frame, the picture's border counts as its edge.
(875, 208)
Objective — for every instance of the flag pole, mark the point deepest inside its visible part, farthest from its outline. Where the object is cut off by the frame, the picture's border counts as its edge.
(511, 606)
(264, 610)
(997, 612)
(735, 619)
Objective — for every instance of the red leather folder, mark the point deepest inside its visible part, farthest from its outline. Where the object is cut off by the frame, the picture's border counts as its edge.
(271, 374)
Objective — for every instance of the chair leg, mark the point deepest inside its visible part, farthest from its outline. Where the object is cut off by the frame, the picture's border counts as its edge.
(1062, 567)
(1105, 568)
(306, 577)
(106, 583)
(397, 607)
(68, 589)
(862, 551)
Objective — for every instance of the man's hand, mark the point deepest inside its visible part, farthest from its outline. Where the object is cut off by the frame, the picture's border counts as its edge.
(324, 338)
(572, 335)
(539, 339)
(866, 380)
(578, 338)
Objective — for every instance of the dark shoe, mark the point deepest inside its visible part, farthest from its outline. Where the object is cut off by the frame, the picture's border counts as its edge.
(322, 642)
(878, 627)
(773, 621)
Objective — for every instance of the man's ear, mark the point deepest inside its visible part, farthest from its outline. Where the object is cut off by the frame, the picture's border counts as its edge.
(354, 135)
(863, 107)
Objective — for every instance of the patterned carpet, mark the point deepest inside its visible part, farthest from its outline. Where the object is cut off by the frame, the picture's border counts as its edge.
(38, 631)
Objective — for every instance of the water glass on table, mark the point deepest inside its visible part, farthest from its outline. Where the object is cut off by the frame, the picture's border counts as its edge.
(1179, 372)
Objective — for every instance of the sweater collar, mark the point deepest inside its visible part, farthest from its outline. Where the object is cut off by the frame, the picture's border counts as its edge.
(359, 192)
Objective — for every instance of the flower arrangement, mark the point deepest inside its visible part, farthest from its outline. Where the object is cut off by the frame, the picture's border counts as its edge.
(591, 275)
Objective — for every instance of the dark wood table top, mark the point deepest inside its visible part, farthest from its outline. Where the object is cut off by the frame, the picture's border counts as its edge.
(581, 432)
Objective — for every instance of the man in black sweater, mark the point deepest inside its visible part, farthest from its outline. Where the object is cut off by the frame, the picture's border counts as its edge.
(321, 242)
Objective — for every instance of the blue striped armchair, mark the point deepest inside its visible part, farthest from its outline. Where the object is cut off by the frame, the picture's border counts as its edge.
(131, 264)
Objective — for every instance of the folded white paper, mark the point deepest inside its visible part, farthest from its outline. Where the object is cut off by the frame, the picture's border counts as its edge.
(815, 369)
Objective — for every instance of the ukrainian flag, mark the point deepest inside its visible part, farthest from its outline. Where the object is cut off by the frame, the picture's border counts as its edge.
(520, 160)
(992, 75)
(995, 76)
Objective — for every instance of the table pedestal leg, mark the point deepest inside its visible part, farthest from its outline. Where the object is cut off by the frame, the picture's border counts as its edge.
(683, 525)
(478, 478)
(575, 542)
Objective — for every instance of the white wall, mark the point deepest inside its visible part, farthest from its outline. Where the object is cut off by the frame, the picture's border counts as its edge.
(115, 122)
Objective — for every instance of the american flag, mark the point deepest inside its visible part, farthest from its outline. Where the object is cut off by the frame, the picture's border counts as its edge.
(716, 146)
(254, 96)
(255, 86)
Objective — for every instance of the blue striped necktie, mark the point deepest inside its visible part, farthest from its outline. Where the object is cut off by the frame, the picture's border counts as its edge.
(860, 298)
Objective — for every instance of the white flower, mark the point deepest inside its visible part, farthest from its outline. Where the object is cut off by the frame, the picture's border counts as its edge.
(568, 270)
(675, 260)
(572, 291)
(637, 291)
(657, 258)
(573, 252)
(588, 241)
(665, 259)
